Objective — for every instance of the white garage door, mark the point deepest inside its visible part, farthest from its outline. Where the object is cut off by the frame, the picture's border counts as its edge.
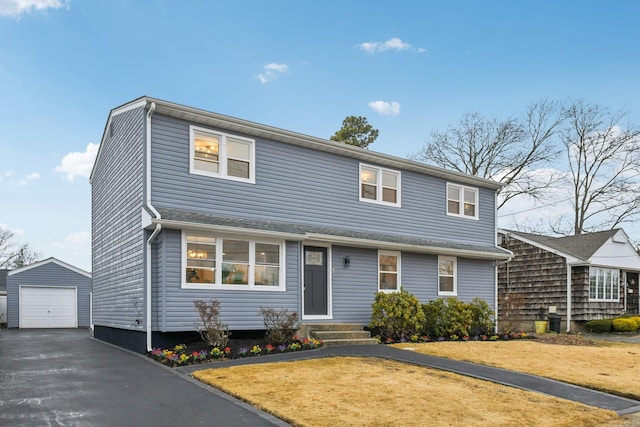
(42, 307)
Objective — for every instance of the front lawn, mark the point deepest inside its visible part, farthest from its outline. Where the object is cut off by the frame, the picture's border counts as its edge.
(353, 391)
(600, 365)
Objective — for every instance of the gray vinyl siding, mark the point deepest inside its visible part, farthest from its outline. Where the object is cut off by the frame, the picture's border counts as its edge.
(307, 186)
(48, 275)
(117, 237)
(355, 286)
(239, 309)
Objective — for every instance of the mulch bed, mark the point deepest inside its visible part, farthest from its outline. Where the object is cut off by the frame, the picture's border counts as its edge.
(564, 339)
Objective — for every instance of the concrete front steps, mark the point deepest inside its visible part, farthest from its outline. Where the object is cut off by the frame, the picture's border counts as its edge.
(340, 334)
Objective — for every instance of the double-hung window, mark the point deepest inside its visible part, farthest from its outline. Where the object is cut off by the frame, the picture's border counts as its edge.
(447, 275)
(604, 284)
(388, 271)
(379, 185)
(462, 201)
(221, 155)
(232, 263)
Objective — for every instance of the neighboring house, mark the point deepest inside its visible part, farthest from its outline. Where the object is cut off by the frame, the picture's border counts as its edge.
(602, 270)
(3, 296)
(189, 204)
(48, 294)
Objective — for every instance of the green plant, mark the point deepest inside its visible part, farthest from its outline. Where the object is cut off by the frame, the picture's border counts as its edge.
(624, 324)
(599, 325)
(397, 315)
(482, 317)
(211, 328)
(448, 316)
(281, 325)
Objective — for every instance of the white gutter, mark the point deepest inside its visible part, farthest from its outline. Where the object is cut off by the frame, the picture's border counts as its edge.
(152, 108)
(569, 296)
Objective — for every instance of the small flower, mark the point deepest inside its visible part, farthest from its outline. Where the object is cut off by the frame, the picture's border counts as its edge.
(483, 337)
(465, 338)
(227, 351)
(216, 353)
(425, 338)
(494, 338)
(294, 346)
(243, 351)
(389, 340)
(180, 348)
(440, 339)
(269, 348)
(256, 350)
(282, 348)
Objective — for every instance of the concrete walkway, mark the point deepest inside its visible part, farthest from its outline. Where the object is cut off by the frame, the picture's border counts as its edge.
(621, 405)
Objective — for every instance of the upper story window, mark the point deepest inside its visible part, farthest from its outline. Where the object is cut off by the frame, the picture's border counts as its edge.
(388, 271)
(379, 185)
(447, 275)
(462, 201)
(604, 284)
(221, 155)
(211, 262)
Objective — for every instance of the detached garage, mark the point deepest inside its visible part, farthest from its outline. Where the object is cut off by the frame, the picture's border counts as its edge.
(48, 294)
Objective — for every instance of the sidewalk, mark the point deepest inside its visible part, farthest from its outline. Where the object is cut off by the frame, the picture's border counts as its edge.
(621, 405)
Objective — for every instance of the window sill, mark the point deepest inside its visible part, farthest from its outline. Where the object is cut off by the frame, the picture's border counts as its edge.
(243, 288)
(377, 202)
(463, 216)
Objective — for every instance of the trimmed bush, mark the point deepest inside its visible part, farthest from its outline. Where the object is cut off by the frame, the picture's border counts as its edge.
(397, 315)
(599, 325)
(624, 324)
(447, 317)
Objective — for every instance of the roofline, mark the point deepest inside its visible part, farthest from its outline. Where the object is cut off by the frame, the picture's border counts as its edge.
(294, 138)
(570, 258)
(357, 242)
(48, 261)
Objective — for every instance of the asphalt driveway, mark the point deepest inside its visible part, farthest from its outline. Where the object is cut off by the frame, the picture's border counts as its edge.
(62, 377)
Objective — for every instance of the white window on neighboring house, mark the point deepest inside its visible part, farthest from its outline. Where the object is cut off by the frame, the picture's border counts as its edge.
(462, 201)
(379, 185)
(447, 275)
(220, 155)
(212, 262)
(604, 284)
(389, 271)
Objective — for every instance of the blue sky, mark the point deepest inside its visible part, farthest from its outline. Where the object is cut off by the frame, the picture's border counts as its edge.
(409, 67)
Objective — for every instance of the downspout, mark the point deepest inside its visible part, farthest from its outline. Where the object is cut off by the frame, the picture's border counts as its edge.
(568, 296)
(155, 233)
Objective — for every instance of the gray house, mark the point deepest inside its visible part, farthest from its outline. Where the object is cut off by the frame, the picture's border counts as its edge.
(583, 277)
(3, 296)
(188, 204)
(48, 294)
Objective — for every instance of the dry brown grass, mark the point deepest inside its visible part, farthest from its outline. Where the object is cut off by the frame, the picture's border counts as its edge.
(372, 392)
(606, 366)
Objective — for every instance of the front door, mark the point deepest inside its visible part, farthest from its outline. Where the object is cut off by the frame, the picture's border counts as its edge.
(315, 287)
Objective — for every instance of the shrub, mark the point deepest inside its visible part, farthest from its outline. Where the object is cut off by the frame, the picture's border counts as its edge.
(482, 317)
(599, 325)
(624, 324)
(281, 325)
(446, 317)
(397, 315)
(211, 328)
(637, 320)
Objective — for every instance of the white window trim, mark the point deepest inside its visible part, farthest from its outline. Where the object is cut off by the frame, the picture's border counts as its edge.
(461, 201)
(596, 299)
(455, 275)
(222, 155)
(397, 254)
(218, 273)
(378, 199)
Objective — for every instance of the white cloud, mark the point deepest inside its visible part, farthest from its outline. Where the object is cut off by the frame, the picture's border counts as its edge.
(385, 108)
(76, 241)
(10, 178)
(17, 232)
(392, 44)
(16, 8)
(78, 163)
(271, 72)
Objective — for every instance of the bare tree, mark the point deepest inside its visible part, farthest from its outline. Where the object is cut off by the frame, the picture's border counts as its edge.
(503, 150)
(12, 254)
(604, 167)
